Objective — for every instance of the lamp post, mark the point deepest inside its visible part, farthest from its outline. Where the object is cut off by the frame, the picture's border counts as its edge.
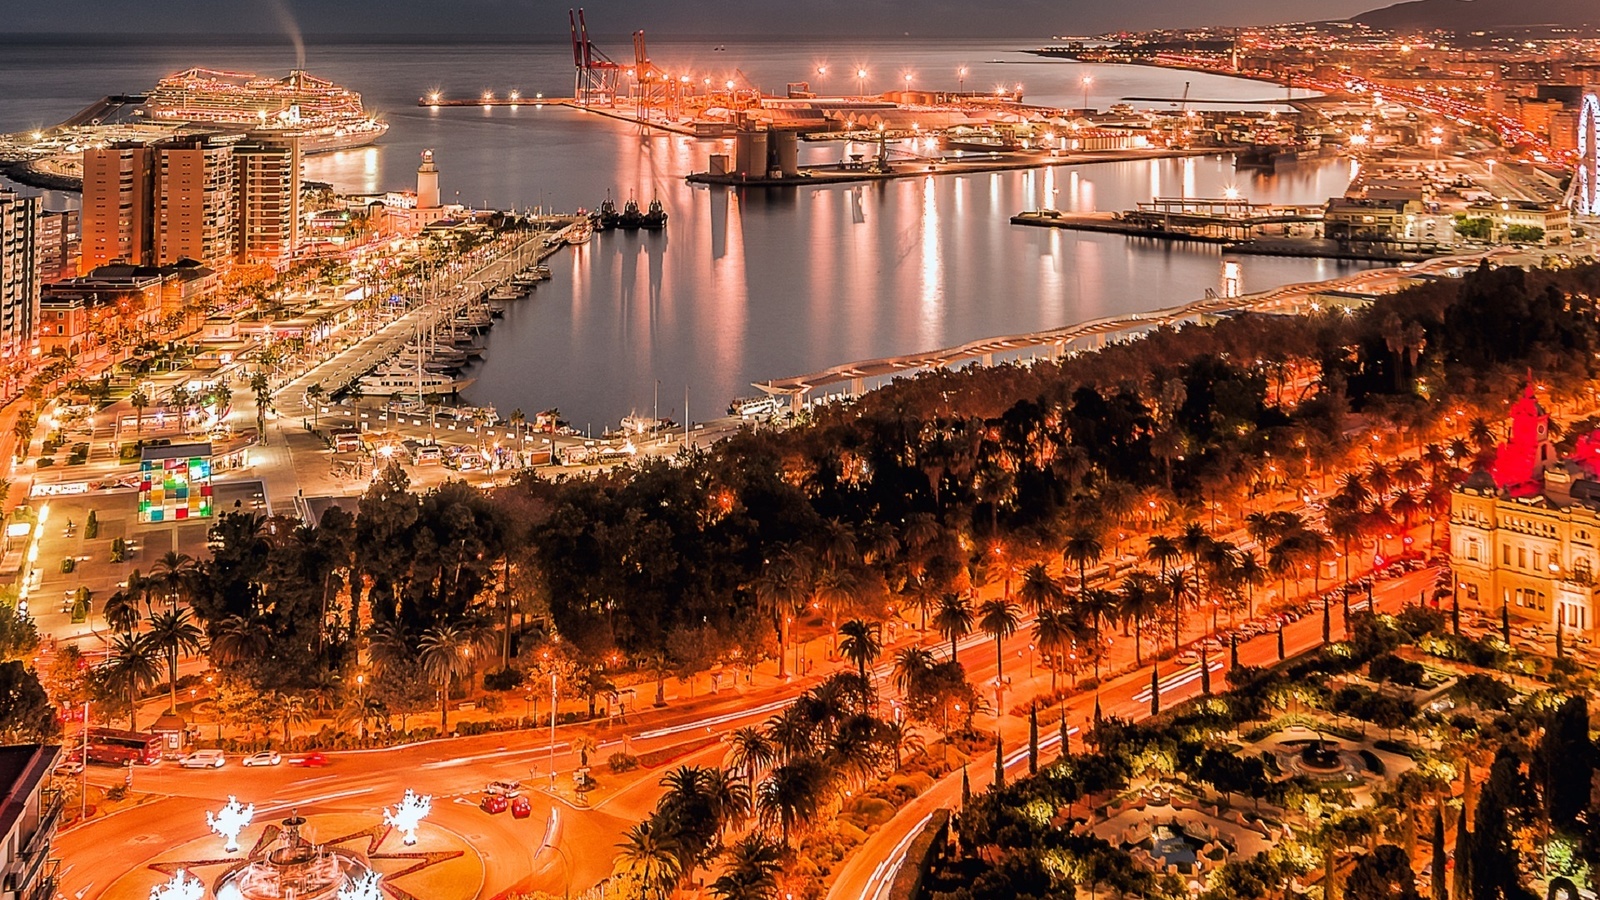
(1087, 80)
(861, 82)
(552, 731)
(961, 80)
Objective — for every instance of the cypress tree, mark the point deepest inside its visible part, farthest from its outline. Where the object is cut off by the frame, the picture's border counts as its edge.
(1155, 691)
(1205, 671)
(1033, 740)
(1461, 883)
(999, 763)
(1438, 889)
(1566, 757)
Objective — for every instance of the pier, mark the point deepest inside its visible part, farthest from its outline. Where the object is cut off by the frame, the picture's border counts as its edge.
(1056, 343)
(1206, 220)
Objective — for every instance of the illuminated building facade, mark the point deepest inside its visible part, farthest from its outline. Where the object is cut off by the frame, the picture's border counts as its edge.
(1525, 535)
(175, 483)
(1586, 181)
(19, 274)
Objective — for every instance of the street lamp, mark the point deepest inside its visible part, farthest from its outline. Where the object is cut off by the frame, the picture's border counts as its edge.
(908, 81)
(861, 82)
(961, 79)
(1087, 80)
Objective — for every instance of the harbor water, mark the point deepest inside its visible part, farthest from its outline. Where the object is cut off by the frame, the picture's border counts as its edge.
(743, 285)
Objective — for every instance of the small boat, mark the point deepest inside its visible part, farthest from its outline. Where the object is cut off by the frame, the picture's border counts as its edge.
(631, 217)
(656, 218)
(580, 233)
(606, 216)
(506, 292)
(496, 311)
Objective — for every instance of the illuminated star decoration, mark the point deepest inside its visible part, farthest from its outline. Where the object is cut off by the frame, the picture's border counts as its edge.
(229, 821)
(179, 888)
(409, 814)
(408, 862)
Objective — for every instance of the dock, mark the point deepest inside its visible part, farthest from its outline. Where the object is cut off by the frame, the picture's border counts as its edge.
(1206, 220)
(843, 173)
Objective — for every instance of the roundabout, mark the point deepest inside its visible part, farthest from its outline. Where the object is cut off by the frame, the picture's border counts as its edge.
(321, 857)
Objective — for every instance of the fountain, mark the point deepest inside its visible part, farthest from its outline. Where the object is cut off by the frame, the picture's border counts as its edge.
(295, 870)
(1321, 756)
(363, 888)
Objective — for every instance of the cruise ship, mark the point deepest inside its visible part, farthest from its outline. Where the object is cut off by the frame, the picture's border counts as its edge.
(323, 115)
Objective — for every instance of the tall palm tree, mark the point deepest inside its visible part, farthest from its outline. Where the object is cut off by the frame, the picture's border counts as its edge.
(750, 751)
(1179, 593)
(1052, 634)
(1040, 590)
(780, 590)
(1249, 574)
(792, 794)
(650, 857)
(998, 619)
(911, 665)
(730, 797)
(859, 643)
(954, 619)
(122, 612)
(446, 653)
(1098, 604)
(1142, 597)
(133, 664)
(172, 632)
(238, 639)
(173, 575)
(1082, 549)
(1161, 550)
(751, 872)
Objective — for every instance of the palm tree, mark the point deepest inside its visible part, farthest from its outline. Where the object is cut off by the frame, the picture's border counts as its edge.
(122, 612)
(1098, 605)
(314, 397)
(911, 665)
(792, 794)
(174, 574)
(998, 618)
(730, 797)
(445, 652)
(1250, 574)
(238, 639)
(1179, 592)
(133, 664)
(749, 752)
(1040, 590)
(1161, 550)
(751, 872)
(139, 400)
(954, 619)
(173, 632)
(860, 644)
(780, 589)
(1052, 634)
(1142, 597)
(1194, 540)
(650, 857)
(1083, 549)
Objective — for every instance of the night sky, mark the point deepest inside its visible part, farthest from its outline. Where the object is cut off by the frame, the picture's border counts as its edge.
(696, 18)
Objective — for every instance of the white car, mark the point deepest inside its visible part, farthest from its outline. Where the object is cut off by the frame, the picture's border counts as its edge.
(203, 759)
(264, 758)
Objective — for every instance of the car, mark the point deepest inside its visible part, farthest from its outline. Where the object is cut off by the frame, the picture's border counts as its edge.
(264, 758)
(493, 804)
(521, 808)
(507, 789)
(310, 760)
(1188, 657)
(70, 765)
(203, 759)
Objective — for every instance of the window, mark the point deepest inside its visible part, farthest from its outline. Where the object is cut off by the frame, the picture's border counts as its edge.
(1472, 549)
(1538, 561)
(1522, 557)
(1505, 554)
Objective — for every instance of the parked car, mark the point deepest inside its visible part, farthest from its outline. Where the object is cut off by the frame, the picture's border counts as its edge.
(507, 789)
(494, 803)
(70, 765)
(203, 759)
(264, 758)
(310, 760)
(521, 808)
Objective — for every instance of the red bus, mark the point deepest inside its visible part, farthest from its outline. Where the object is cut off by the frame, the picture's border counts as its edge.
(114, 747)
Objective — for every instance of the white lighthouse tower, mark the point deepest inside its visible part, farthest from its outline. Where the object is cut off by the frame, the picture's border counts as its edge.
(427, 182)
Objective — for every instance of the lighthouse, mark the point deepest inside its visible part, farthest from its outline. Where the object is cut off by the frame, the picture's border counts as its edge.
(427, 182)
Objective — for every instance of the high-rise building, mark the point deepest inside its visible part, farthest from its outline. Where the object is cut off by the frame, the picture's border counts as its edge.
(267, 218)
(154, 204)
(118, 207)
(194, 203)
(30, 811)
(19, 274)
(59, 245)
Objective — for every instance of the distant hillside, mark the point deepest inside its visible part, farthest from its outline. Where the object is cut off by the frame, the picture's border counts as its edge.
(1475, 15)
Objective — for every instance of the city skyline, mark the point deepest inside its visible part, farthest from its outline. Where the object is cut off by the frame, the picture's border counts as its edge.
(717, 18)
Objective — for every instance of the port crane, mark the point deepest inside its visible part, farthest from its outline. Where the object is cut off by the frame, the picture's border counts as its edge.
(595, 74)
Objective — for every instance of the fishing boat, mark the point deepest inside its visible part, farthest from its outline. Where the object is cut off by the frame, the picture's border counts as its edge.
(606, 216)
(631, 218)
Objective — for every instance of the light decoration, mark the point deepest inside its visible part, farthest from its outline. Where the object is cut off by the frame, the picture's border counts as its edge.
(1587, 178)
(229, 821)
(179, 888)
(363, 888)
(408, 814)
